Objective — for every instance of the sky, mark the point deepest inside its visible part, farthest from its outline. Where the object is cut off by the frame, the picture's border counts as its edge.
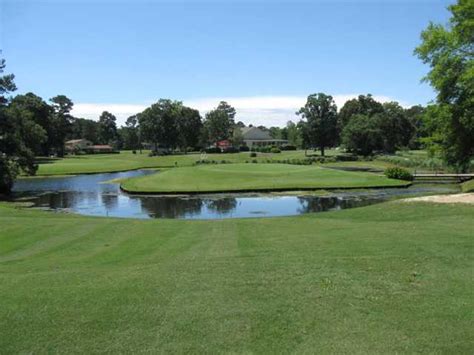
(263, 57)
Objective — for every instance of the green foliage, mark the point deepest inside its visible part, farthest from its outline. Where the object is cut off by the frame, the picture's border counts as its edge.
(293, 134)
(362, 105)
(468, 186)
(61, 121)
(319, 124)
(275, 150)
(219, 123)
(395, 127)
(237, 137)
(253, 154)
(189, 125)
(130, 134)
(85, 128)
(449, 52)
(384, 131)
(20, 136)
(362, 135)
(398, 173)
(107, 128)
(8, 173)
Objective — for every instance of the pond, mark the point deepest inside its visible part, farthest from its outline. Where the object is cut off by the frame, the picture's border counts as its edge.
(95, 195)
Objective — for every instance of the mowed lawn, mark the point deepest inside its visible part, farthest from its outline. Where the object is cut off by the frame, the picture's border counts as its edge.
(389, 278)
(242, 177)
(126, 160)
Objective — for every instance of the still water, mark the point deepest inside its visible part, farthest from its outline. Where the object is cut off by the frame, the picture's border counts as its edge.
(93, 195)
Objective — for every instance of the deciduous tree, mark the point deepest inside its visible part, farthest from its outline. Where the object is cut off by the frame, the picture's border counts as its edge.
(320, 121)
(449, 51)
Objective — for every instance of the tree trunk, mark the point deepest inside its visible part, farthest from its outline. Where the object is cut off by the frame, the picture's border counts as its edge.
(322, 150)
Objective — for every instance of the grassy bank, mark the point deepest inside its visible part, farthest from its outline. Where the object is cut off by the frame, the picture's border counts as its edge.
(253, 177)
(127, 161)
(413, 160)
(387, 278)
(468, 186)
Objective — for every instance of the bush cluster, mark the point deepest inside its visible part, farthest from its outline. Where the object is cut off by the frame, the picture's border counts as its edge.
(266, 149)
(231, 150)
(288, 147)
(208, 161)
(398, 173)
(212, 150)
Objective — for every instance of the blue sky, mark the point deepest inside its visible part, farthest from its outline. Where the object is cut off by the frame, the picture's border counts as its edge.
(264, 57)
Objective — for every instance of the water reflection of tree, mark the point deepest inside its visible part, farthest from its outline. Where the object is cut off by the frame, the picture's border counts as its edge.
(222, 205)
(170, 207)
(110, 201)
(66, 199)
(324, 203)
(318, 204)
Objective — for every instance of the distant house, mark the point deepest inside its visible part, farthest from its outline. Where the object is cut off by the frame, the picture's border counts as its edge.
(256, 137)
(76, 145)
(104, 148)
(83, 145)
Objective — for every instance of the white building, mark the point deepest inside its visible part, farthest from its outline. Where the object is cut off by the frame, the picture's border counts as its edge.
(256, 137)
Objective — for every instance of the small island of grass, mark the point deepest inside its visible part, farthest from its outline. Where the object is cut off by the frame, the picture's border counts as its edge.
(253, 177)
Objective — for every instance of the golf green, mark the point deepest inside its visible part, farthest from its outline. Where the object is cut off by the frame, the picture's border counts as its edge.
(253, 177)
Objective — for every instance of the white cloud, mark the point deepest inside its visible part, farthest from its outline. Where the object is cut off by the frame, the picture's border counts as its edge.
(256, 110)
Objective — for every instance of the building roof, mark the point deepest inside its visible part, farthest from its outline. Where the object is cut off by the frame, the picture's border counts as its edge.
(73, 141)
(100, 146)
(255, 133)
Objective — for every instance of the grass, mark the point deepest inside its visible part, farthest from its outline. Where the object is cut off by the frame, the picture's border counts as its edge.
(468, 186)
(253, 177)
(389, 278)
(99, 163)
(127, 161)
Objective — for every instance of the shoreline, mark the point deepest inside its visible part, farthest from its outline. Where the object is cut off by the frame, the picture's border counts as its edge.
(230, 191)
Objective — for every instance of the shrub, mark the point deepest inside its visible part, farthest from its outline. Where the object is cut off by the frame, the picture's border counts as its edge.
(398, 173)
(275, 150)
(288, 147)
(263, 149)
(253, 155)
(231, 150)
(134, 151)
(212, 150)
(254, 161)
(244, 148)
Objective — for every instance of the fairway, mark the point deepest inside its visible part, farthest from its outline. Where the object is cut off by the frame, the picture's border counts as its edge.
(392, 278)
(253, 177)
(126, 160)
